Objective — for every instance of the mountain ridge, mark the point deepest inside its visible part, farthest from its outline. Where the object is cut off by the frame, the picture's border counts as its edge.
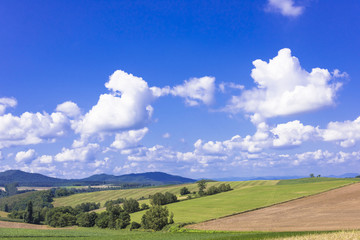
(40, 180)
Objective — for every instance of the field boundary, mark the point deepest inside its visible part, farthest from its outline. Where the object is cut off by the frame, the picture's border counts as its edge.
(275, 204)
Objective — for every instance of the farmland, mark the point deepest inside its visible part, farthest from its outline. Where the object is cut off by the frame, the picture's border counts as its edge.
(95, 234)
(137, 193)
(247, 195)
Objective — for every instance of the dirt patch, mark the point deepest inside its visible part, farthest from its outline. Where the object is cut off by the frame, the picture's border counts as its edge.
(337, 209)
(4, 224)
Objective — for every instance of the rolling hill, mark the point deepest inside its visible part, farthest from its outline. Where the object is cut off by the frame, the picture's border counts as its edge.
(39, 180)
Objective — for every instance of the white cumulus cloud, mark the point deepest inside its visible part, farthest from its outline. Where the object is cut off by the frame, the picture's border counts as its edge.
(69, 108)
(82, 154)
(126, 107)
(285, 7)
(129, 139)
(292, 133)
(31, 128)
(25, 156)
(194, 91)
(347, 132)
(284, 88)
(6, 103)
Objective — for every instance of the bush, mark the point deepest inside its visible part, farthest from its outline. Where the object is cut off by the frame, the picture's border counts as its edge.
(134, 225)
(131, 205)
(86, 219)
(102, 220)
(144, 206)
(118, 218)
(87, 207)
(161, 199)
(184, 191)
(212, 190)
(61, 217)
(155, 218)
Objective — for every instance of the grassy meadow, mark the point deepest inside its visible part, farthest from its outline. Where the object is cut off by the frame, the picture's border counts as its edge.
(96, 234)
(247, 195)
(242, 199)
(137, 193)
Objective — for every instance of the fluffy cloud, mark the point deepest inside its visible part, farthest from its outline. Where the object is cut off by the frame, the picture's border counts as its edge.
(347, 132)
(25, 156)
(284, 88)
(129, 139)
(127, 107)
(224, 85)
(5, 103)
(82, 154)
(31, 128)
(285, 7)
(69, 108)
(195, 91)
(292, 133)
(166, 135)
(45, 159)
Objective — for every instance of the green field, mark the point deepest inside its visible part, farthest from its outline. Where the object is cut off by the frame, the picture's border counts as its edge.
(242, 199)
(96, 234)
(137, 193)
(247, 195)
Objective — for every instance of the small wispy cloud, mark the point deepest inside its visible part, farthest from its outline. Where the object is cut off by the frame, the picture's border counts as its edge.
(285, 7)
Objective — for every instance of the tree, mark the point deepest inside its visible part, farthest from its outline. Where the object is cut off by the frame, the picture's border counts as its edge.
(131, 205)
(201, 186)
(6, 208)
(118, 218)
(28, 217)
(134, 225)
(144, 206)
(11, 188)
(158, 199)
(170, 198)
(155, 218)
(312, 175)
(184, 191)
(212, 190)
(86, 219)
(102, 220)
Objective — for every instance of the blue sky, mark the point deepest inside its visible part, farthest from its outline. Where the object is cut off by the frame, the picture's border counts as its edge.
(199, 89)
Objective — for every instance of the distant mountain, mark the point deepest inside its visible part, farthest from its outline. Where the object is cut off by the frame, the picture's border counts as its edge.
(345, 175)
(24, 179)
(35, 179)
(257, 178)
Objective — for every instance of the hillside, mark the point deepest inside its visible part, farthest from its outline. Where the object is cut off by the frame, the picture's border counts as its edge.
(29, 179)
(39, 180)
(137, 193)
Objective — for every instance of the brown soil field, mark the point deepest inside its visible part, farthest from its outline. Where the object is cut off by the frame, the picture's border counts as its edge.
(337, 209)
(4, 224)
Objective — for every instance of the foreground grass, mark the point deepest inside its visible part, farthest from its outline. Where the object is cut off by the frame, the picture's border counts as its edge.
(242, 199)
(103, 196)
(348, 235)
(96, 234)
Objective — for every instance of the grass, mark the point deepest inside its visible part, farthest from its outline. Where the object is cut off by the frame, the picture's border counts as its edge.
(313, 180)
(103, 196)
(3, 214)
(95, 234)
(242, 199)
(344, 235)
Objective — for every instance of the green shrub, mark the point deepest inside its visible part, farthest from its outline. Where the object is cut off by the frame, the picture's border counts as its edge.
(155, 218)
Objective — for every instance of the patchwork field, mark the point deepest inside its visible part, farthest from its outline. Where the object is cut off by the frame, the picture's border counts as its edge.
(96, 234)
(338, 209)
(137, 193)
(243, 199)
